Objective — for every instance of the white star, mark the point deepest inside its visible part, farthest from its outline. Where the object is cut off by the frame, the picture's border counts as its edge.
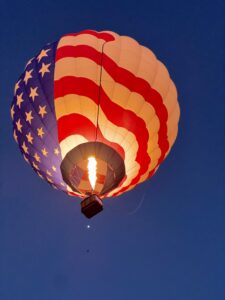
(29, 138)
(19, 100)
(29, 61)
(42, 54)
(49, 179)
(35, 166)
(44, 69)
(29, 116)
(26, 159)
(19, 126)
(12, 111)
(44, 152)
(15, 136)
(49, 173)
(40, 132)
(27, 76)
(42, 110)
(33, 93)
(54, 168)
(39, 174)
(16, 86)
(56, 151)
(37, 157)
(25, 149)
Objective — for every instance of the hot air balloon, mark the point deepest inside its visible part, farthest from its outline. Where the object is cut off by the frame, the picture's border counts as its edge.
(95, 114)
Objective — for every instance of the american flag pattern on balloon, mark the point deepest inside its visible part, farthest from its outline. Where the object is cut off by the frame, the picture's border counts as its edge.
(92, 84)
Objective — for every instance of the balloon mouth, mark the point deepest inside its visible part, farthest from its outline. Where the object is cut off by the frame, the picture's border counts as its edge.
(92, 168)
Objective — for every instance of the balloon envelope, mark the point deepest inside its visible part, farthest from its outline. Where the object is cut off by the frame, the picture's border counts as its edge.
(95, 94)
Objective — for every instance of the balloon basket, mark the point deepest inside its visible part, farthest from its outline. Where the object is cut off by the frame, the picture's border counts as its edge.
(91, 206)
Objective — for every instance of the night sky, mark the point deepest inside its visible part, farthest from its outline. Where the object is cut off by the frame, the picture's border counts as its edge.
(165, 240)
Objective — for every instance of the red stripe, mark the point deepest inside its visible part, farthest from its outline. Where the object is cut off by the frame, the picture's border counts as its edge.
(78, 51)
(115, 113)
(100, 35)
(78, 124)
(76, 85)
(74, 194)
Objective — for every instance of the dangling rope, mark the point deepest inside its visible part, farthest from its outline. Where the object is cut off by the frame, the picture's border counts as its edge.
(138, 206)
(99, 93)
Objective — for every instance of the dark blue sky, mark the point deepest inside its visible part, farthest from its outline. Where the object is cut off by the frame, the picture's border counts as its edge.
(173, 246)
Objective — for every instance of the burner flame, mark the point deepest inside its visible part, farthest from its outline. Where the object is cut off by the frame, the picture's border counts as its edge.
(92, 171)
